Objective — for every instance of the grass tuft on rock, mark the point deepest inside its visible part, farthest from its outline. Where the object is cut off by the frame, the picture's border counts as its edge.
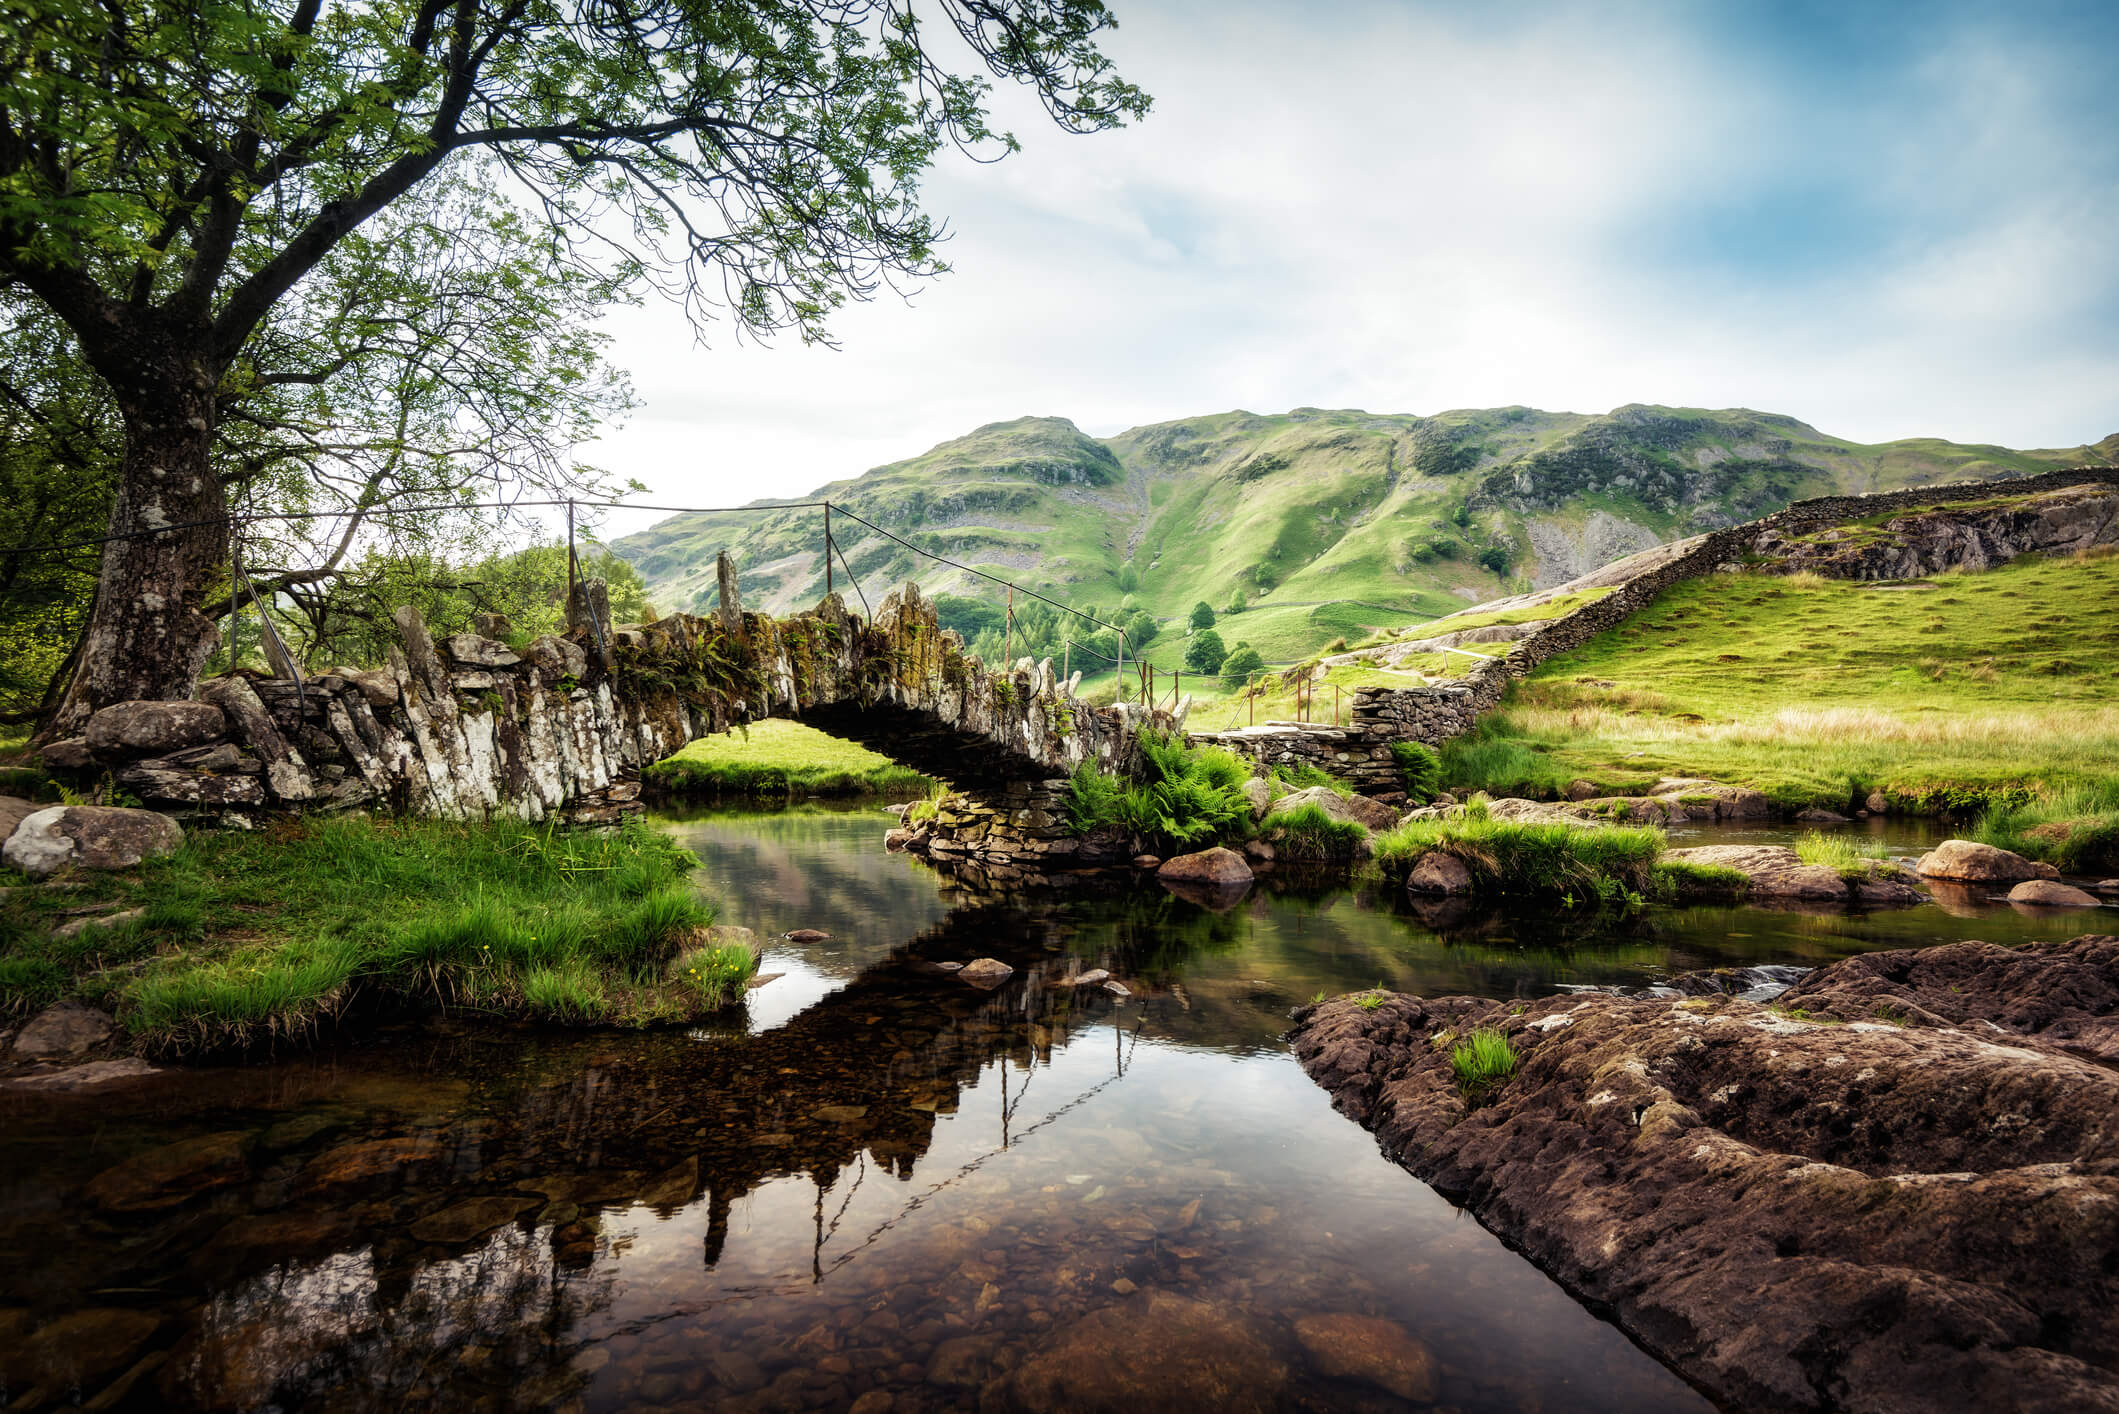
(2075, 829)
(1307, 835)
(1481, 1061)
(251, 938)
(1852, 857)
(1505, 856)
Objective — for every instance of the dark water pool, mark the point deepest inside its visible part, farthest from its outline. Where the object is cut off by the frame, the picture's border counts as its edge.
(878, 1188)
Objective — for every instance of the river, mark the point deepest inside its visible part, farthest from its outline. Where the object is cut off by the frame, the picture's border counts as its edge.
(874, 1186)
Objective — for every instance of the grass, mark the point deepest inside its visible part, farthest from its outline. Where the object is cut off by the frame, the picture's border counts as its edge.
(1986, 689)
(1853, 858)
(253, 938)
(1420, 767)
(1481, 1061)
(1610, 864)
(1301, 775)
(780, 759)
(1679, 879)
(1308, 835)
(2075, 829)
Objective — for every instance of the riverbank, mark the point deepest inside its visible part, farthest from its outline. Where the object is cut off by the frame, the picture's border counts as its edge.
(779, 760)
(242, 939)
(1780, 1200)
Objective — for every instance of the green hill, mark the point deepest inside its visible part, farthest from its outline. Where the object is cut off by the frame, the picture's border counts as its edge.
(1328, 524)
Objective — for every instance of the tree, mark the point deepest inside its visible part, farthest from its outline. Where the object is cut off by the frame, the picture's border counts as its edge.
(1237, 603)
(1204, 653)
(1236, 669)
(1202, 615)
(1141, 629)
(1495, 558)
(1128, 578)
(171, 174)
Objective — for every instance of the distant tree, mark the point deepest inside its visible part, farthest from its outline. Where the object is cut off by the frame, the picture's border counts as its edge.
(1495, 558)
(1141, 629)
(1128, 578)
(1202, 615)
(1236, 669)
(1204, 653)
(1237, 603)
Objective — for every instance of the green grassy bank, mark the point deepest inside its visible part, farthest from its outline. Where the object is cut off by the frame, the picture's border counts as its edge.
(776, 759)
(1996, 688)
(244, 938)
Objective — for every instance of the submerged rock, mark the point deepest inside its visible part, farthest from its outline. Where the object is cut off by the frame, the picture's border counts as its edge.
(806, 935)
(1967, 861)
(164, 1177)
(1372, 1350)
(1155, 1350)
(87, 1077)
(1796, 1214)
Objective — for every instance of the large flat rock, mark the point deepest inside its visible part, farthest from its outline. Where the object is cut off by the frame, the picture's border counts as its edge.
(1796, 1213)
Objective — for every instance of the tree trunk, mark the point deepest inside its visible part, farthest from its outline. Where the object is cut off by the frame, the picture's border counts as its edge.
(146, 637)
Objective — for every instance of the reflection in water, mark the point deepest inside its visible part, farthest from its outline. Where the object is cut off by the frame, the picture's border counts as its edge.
(897, 1189)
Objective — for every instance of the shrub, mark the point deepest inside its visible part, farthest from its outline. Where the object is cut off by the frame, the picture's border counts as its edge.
(1141, 629)
(1481, 1061)
(1236, 669)
(1202, 615)
(1420, 767)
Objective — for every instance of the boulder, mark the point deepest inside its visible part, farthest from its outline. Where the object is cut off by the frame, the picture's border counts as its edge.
(13, 811)
(1259, 792)
(493, 625)
(1878, 803)
(558, 657)
(1778, 873)
(89, 837)
(1221, 868)
(1147, 861)
(1538, 812)
(1154, 1350)
(1359, 808)
(806, 935)
(1745, 1187)
(126, 729)
(1258, 852)
(1969, 862)
(1438, 872)
(379, 687)
(71, 754)
(166, 1176)
(2052, 894)
(62, 1029)
(986, 973)
(1579, 789)
(473, 650)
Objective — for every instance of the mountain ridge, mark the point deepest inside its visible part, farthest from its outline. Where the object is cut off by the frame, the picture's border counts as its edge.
(1324, 521)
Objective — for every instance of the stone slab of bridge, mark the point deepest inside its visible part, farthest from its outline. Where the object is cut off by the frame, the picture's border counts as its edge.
(467, 727)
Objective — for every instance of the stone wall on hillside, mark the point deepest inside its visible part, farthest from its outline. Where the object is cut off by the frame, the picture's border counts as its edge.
(1360, 753)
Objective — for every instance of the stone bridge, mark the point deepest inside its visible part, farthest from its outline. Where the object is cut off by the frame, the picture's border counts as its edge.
(468, 727)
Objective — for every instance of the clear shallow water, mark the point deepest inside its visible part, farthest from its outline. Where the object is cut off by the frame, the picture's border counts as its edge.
(875, 1184)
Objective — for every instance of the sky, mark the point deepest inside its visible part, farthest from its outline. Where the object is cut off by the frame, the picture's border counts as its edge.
(1886, 220)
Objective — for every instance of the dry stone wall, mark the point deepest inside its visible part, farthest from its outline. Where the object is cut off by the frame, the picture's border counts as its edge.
(1360, 753)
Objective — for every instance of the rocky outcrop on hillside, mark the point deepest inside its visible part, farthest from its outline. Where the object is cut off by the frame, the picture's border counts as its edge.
(1914, 1213)
(1973, 535)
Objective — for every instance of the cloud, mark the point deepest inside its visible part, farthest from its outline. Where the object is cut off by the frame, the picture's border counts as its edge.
(1886, 225)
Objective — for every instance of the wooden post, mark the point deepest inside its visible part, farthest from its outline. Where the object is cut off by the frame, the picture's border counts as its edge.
(1177, 683)
(827, 549)
(1335, 704)
(1250, 693)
